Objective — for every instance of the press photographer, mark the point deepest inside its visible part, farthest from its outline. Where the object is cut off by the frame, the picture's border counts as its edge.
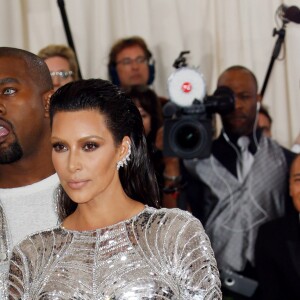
(188, 128)
(240, 186)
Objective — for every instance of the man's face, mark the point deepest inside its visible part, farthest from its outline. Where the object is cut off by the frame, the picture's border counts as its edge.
(132, 66)
(241, 120)
(21, 111)
(295, 183)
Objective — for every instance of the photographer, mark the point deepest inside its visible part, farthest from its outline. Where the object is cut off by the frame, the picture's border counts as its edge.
(237, 191)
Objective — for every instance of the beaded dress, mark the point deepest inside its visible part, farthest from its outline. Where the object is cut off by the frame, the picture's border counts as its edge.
(157, 254)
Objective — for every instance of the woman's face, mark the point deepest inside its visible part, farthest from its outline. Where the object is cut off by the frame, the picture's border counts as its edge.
(146, 118)
(59, 64)
(85, 156)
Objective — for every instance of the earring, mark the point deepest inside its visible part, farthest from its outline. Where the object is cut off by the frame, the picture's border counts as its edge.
(47, 106)
(125, 159)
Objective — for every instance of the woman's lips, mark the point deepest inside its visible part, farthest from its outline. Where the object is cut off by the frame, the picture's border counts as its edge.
(78, 184)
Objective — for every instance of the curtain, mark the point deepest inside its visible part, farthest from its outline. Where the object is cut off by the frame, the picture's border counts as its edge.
(218, 34)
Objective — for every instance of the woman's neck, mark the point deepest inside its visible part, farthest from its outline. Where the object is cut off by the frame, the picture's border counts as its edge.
(87, 217)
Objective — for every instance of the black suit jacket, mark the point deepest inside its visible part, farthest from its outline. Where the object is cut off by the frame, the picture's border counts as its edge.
(278, 258)
(199, 195)
(202, 200)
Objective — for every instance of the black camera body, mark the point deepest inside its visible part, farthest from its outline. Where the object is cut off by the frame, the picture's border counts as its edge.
(188, 131)
(188, 116)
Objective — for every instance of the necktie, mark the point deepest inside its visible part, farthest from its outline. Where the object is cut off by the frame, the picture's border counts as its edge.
(246, 158)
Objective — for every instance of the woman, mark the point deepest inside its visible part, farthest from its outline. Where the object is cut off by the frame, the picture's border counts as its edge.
(62, 64)
(113, 243)
(150, 109)
(167, 169)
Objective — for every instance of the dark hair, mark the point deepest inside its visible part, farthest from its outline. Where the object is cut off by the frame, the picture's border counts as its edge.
(36, 67)
(145, 97)
(241, 68)
(123, 119)
(126, 43)
(263, 110)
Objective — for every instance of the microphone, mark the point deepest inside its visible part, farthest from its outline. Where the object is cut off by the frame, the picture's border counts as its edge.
(289, 13)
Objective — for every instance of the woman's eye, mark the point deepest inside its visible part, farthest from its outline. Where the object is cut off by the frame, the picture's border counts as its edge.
(58, 147)
(9, 91)
(90, 146)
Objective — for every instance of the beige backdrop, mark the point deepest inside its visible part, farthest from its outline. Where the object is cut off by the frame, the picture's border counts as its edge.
(219, 33)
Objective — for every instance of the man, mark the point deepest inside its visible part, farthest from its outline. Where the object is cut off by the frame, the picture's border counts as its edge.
(27, 176)
(62, 64)
(278, 249)
(239, 190)
(130, 63)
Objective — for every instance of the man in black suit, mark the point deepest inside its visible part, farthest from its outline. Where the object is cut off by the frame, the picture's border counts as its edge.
(278, 249)
(242, 185)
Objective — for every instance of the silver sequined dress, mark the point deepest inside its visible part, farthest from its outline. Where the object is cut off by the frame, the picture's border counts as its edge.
(158, 254)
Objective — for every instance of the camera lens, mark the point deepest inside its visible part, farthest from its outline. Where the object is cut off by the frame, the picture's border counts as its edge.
(189, 138)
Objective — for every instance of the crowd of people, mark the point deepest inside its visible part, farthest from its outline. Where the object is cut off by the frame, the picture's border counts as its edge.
(91, 207)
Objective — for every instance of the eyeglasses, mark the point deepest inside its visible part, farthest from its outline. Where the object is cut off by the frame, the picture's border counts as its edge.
(129, 61)
(61, 74)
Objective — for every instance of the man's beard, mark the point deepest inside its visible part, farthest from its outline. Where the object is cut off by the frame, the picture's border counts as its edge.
(13, 154)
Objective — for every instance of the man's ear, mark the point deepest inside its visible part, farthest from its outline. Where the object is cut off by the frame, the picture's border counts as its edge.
(46, 100)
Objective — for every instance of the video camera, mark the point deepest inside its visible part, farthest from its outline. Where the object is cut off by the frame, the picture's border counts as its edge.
(188, 128)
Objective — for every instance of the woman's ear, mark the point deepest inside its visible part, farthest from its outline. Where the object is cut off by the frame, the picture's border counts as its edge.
(124, 153)
(125, 147)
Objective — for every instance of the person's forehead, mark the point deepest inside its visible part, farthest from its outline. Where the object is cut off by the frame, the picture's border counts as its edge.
(59, 60)
(241, 75)
(236, 78)
(296, 165)
(14, 67)
(134, 50)
(6, 60)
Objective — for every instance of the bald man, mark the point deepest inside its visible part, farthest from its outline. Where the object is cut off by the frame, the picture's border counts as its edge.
(242, 185)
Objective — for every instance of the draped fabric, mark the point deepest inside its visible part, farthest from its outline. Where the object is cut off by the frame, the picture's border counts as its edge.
(243, 206)
(218, 33)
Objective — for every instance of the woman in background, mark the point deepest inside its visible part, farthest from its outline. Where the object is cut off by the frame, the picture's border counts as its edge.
(114, 242)
(62, 63)
(149, 107)
(167, 169)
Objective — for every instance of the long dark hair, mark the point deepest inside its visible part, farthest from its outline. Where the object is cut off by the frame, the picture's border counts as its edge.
(122, 119)
(145, 97)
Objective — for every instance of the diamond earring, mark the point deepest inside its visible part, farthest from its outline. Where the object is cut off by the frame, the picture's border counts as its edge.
(125, 159)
